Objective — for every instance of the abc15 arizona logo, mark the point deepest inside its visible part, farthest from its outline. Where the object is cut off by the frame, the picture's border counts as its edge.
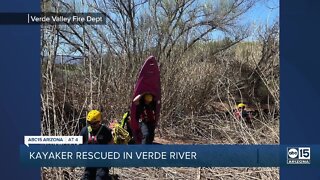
(298, 155)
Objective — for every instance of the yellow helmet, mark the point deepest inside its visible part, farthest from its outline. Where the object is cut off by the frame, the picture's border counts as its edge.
(241, 105)
(148, 97)
(94, 116)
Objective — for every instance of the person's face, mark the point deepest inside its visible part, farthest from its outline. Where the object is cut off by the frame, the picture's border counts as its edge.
(95, 125)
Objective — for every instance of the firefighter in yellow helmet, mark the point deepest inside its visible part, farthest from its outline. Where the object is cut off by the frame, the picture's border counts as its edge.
(242, 113)
(96, 133)
(145, 114)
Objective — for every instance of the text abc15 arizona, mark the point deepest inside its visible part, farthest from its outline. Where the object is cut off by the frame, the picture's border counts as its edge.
(298, 155)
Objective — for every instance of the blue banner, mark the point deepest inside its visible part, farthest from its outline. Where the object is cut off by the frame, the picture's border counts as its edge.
(300, 83)
(169, 155)
(20, 88)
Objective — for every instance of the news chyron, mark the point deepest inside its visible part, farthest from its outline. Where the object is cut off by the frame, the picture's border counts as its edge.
(298, 155)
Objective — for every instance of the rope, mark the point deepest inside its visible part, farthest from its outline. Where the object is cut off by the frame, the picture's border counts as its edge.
(120, 135)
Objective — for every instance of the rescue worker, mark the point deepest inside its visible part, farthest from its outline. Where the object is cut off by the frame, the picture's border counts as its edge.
(241, 112)
(146, 116)
(96, 133)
